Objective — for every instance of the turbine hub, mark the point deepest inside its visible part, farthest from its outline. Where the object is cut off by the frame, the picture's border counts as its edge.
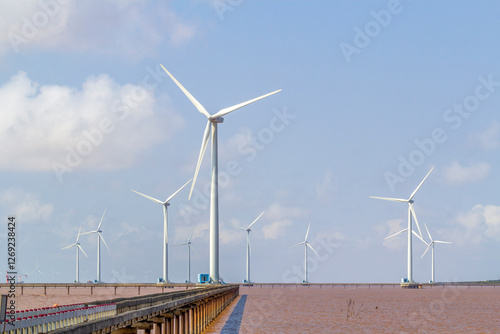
(217, 120)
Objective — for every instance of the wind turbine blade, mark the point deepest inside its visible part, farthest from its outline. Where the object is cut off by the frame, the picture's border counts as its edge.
(68, 246)
(172, 196)
(190, 236)
(430, 238)
(307, 233)
(393, 235)
(148, 197)
(415, 234)
(415, 191)
(390, 199)
(99, 226)
(308, 245)
(429, 246)
(204, 143)
(104, 241)
(300, 243)
(90, 232)
(241, 228)
(226, 111)
(79, 233)
(41, 272)
(250, 226)
(82, 250)
(190, 97)
(415, 217)
(442, 242)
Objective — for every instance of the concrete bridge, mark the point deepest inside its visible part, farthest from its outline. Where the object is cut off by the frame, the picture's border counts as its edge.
(186, 311)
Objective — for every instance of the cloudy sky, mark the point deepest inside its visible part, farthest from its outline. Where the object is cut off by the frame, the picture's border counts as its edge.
(375, 94)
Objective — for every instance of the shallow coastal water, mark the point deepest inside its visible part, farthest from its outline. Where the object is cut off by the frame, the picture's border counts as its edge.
(362, 310)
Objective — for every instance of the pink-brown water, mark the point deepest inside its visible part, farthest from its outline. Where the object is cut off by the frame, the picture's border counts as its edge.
(361, 310)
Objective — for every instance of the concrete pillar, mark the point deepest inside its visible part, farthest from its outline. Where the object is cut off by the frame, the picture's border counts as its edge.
(156, 328)
(175, 328)
(191, 321)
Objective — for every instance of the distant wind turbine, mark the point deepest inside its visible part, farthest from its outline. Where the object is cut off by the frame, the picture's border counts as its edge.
(36, 271)
(431, 245)
(188, 244)
(212, 121)
(165, 227)
(248, 229)
(78, 249)
(306, 244)
(99, 238)
(411, 212)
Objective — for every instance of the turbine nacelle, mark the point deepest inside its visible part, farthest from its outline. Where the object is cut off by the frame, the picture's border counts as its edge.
(216, 120)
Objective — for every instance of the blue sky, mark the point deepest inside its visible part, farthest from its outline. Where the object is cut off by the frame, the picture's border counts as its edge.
(375, 93)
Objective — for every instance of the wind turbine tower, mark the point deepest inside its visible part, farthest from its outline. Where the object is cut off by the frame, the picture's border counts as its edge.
(165, 227)
(431, 245)
(411, 213)
(78, 249)
(99, 238)
(306, 244)
(212, 121)
(248, 229)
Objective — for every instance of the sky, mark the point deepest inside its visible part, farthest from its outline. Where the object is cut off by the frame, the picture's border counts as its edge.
(374, 94)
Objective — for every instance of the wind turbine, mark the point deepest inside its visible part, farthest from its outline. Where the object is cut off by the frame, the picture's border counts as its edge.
(248, 229)
(165, 227)
(431, 245)
(146, 275)
(212, 121)
(78, 249)
(188, 243)
(306, 244)
(411, 212)
(99, 238)
(36, 271)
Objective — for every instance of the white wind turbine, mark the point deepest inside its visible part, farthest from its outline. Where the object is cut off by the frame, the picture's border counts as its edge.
(431, 245)
(36, 271)
(188, 244)
(78, 249)
(306, 244)
(212, 121)
(248, 229)
(411, 212)
(99, 238)
(165, 227)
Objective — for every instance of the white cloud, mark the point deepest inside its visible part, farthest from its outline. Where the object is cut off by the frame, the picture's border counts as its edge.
(488, 139)
(457, 174)
(325, 188)
(132, 28)
(101, 126)
(25, 206)
(281, 217)
(475, 226)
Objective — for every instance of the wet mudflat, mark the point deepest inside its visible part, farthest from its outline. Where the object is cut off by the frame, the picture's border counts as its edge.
(362, 310)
